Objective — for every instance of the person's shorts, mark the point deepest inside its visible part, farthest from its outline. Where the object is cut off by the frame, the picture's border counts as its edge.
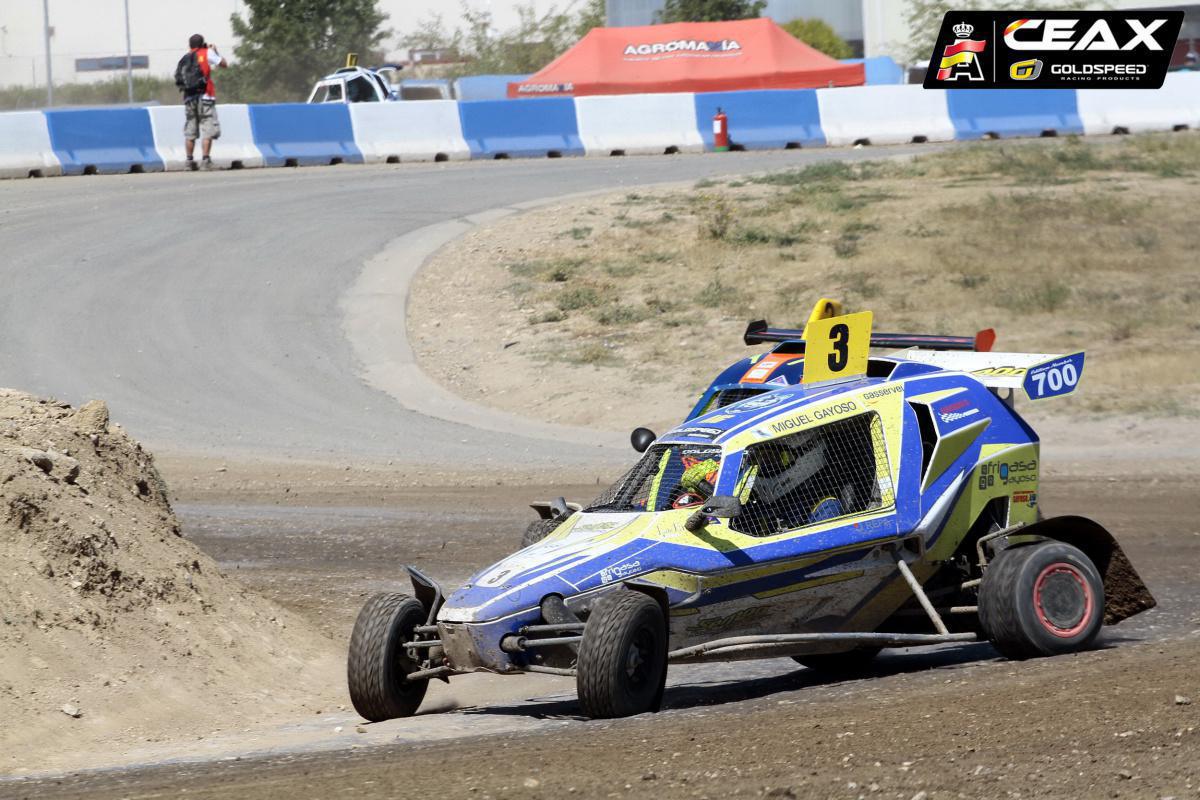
(200, 119)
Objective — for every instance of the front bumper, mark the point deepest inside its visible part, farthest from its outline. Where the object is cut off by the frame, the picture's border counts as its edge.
(475, 646)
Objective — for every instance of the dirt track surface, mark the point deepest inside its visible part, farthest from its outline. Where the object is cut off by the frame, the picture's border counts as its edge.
(949, 722)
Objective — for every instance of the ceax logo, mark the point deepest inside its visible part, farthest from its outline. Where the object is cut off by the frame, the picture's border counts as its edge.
(960, 59)
(1025, 70)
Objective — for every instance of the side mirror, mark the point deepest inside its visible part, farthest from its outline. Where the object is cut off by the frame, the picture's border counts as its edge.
(722, 505)
(642, 438)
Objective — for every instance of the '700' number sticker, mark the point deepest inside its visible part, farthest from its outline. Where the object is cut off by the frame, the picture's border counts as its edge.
(1054, 378)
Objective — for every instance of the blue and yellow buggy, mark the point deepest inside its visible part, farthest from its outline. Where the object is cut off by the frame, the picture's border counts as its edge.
(859, 503)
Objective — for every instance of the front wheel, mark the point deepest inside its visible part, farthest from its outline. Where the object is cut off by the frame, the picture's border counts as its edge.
(622, 665)
(378, 664)
(1041, 600)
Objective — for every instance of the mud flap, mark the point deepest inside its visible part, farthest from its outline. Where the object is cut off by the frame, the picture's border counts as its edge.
(428, 591)
(1125, 594)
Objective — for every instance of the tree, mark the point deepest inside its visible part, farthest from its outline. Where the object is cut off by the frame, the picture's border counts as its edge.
(285, 47)
(817, 34)
(535, 41)
(709, 10)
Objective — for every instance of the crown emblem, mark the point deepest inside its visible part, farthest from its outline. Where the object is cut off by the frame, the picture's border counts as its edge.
(962, 30)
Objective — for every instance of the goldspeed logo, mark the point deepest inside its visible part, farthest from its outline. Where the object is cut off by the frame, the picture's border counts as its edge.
(960, 60)
(1026, 70)
(683, 45)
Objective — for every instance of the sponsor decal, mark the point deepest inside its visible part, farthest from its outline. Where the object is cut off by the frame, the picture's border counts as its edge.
(699, 433)
(778, 381)
(1118, 49)
(761, 370)
(1025, 498)
(953, 412)
(620, 571)
(806, 418)
(759, 403)
(595, 527)
(689, 47)
(1001, 372)
(545, 88)
(1008, 473)
(737, 619)
(877, 393)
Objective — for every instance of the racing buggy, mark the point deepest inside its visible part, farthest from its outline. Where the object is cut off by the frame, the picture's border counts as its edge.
(872, 502)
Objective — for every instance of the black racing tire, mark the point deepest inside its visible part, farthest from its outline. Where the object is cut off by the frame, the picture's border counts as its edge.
(378, 663)
(850, 663)
(539, 529)
(1041, 599)
(622, 666)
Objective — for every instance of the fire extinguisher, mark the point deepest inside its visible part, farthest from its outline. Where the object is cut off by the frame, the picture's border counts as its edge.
(721, 132)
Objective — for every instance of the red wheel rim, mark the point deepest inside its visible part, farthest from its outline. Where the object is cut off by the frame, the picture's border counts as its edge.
(1063, 599)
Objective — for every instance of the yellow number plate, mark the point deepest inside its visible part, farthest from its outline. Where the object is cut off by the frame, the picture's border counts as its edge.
(837, 347)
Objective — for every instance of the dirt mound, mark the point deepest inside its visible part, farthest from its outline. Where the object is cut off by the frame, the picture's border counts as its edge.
(113, 627)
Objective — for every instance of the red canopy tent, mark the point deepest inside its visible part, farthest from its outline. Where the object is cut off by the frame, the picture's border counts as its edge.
(687, 57)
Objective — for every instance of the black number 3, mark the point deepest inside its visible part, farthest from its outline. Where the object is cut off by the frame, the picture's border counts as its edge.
(840, 336)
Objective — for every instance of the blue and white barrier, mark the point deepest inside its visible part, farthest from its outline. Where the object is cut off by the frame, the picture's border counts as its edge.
(640, 124)
(89, 141)
(536, 127)
(421, 130)
(302, 135)
(884, 115)
(25, 149)
(1001, 113)
(83, 141)
(234, 150)
(767, 119)
(1175, 106)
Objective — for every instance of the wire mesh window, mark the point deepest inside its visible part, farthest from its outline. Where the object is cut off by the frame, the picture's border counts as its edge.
(667, 476)
(814, 476)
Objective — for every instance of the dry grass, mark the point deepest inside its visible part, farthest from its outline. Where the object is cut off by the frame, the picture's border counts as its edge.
(1058, 244)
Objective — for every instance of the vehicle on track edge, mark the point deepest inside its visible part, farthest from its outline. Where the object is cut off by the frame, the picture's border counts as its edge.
(880, 502)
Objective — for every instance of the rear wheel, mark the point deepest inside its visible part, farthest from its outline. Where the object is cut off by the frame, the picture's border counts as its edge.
(539, 529)
(378, 662)
(622, 666)
(851, 662)
(1041, 600)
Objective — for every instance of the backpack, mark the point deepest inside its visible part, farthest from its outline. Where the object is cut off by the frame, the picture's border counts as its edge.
(188, 75)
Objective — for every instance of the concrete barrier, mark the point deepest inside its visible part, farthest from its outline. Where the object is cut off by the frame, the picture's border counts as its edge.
(763, 119)
(638, 124)
(303, 135)
(884, 115)
(1175, 106)
(235, 148)
(25, 149)
(88, 141)
(526, 128)
(1001, 113)
(420, 130)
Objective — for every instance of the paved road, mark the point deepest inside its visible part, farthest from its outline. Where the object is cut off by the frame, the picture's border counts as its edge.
(205, 308)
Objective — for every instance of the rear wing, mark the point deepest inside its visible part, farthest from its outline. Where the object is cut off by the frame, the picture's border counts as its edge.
(1041, 375)
(759, 332)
